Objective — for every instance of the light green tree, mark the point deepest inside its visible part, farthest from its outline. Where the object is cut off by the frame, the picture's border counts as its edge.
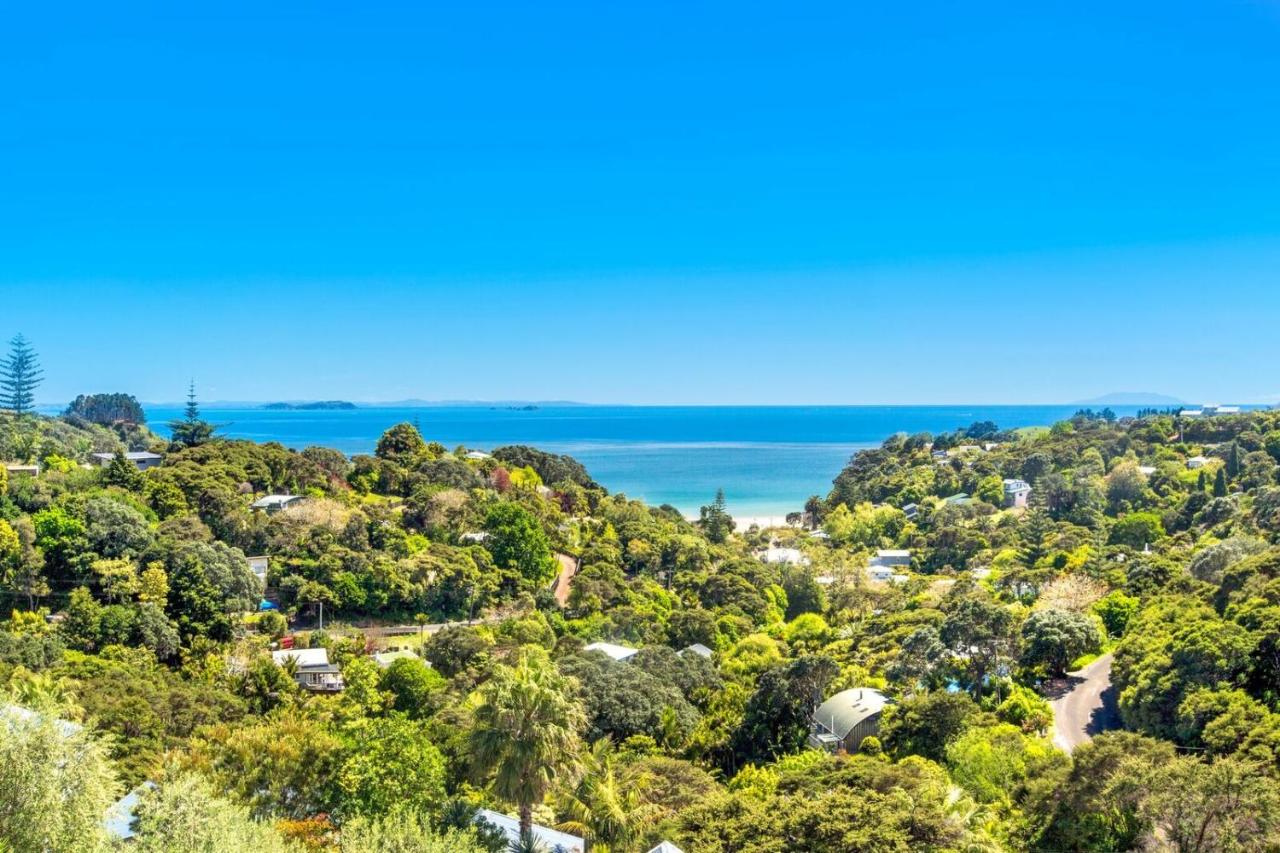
(402, 832)
(185, 813)
(56, 784)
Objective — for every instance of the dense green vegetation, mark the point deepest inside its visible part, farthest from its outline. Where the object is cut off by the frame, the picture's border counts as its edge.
(135, 613)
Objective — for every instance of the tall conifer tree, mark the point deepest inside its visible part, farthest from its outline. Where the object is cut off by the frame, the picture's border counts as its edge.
(20, 375)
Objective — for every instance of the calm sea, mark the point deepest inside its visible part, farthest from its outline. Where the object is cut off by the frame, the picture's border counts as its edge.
(768, 459)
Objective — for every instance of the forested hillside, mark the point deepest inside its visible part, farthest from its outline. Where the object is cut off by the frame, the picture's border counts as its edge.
(137, 616)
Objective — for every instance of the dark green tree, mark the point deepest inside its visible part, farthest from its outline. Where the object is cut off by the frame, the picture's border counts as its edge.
(1056, 637)
(20, 375)
(400, 443)
(123, 473)
(106, 409)
(715, 519)
(191, 430)
(924, 724)
(517, 542)
(1220, 483)
(1233, 460)
(776, 718)
(980, 632)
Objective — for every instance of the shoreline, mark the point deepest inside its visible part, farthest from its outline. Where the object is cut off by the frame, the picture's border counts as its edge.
(743, 522)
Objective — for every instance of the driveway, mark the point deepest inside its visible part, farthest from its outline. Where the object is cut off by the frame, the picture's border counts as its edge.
(1083, 704)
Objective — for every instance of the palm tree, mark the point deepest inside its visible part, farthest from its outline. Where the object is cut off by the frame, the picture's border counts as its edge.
(602, 808)
(526, 732)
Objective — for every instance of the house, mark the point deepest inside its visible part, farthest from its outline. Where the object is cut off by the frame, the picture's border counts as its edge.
(1016, 492)
(879, 573)
(258, 565)
(474, 538)
(552, 840)
(697, 649)
(314, 672)
(477, 455)
(846, 718)
(1192, 413)
(1197, 462)
(16, 715)
(1147, 470)
(911, 511)
(275, 503)
(385, 659)
(821, 534)
(141, 459)
(892, 557)
(959, 499)
(619, 653)
(784, 556)
(666, 847)
(1227, 410)
(17, 469)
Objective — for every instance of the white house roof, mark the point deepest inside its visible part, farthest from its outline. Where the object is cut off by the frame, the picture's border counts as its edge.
(475, 536)
(894, 554)
(666, 847)
(477, 454)
(119, 819)
(843, 712)
(697, 649)
(132, 456)
(385, 659)
(553, 839)
(274, 501)
(1016, 485)
(304, 657)
(612, 650)
(790, 556)
(1147, 469)
(17, 714)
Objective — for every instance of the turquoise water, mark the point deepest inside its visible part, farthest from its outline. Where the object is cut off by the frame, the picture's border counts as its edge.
(768, 459)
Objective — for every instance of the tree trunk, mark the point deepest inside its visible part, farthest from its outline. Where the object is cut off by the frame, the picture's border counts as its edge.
(526, 820)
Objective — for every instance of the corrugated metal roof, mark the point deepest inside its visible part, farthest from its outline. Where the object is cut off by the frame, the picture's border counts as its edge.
(843, 712)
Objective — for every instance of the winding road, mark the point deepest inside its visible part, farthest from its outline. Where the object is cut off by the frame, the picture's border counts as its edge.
(1083, 704)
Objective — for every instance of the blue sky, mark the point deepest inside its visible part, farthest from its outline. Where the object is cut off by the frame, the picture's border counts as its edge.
(683, 203)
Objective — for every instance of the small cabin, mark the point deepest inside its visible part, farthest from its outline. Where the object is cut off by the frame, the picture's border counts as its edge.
(141, 459)
(844, 720)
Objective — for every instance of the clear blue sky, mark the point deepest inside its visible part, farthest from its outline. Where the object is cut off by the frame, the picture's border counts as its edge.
(686, 202)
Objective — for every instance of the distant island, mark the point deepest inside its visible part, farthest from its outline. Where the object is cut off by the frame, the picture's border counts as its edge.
(320, 405)
(1131, 398)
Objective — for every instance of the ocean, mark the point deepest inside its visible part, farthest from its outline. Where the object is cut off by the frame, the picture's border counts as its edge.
(768, 459)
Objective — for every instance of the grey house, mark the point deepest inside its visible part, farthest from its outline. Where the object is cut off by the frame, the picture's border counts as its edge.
(141, 459)
(846, 718)
(275, 503)
(1016, 493)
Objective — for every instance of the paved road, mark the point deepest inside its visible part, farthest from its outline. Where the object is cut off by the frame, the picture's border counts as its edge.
(1083, 705)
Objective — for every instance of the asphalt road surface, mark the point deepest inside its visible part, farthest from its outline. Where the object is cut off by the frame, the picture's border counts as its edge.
(1083, 704)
